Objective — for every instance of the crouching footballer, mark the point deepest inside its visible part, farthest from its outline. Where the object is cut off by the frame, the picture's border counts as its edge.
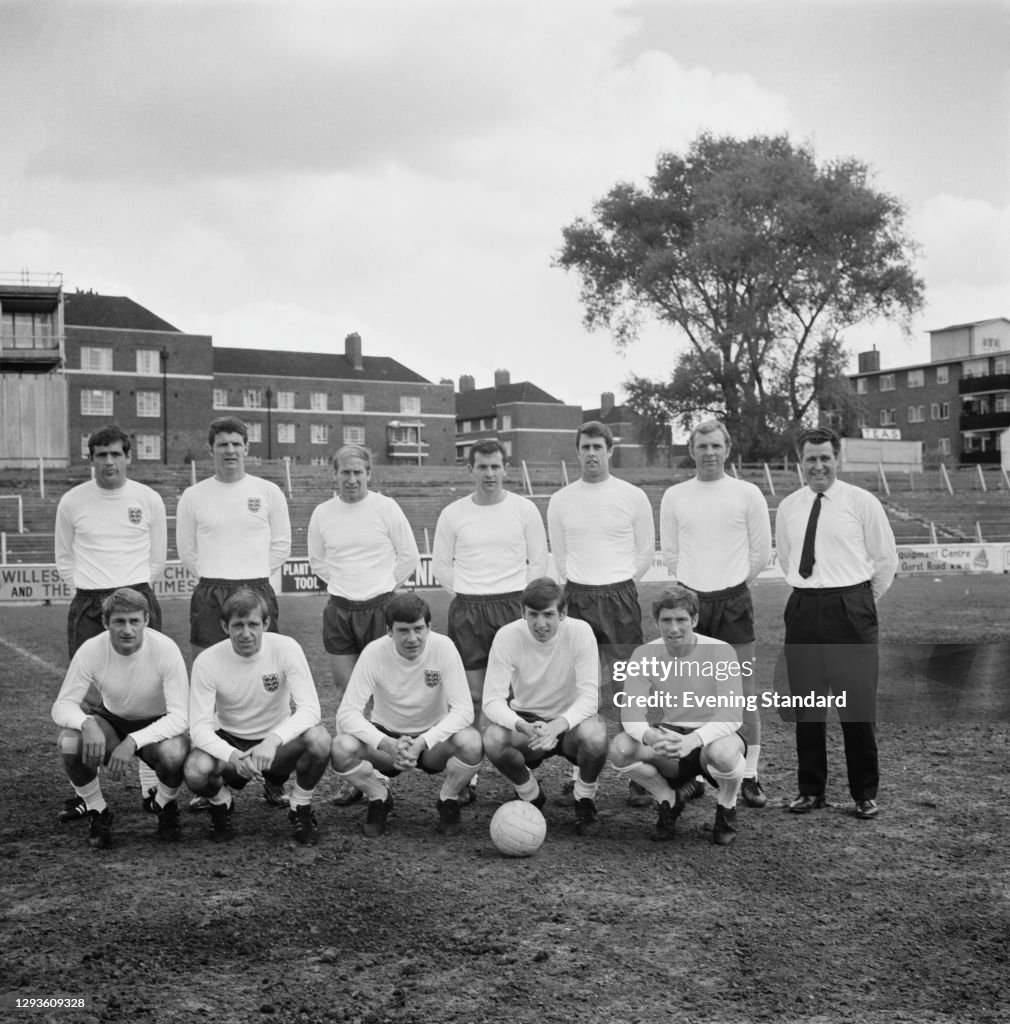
(139, 678)
(254, 714)
(421, 717)
(697, 681)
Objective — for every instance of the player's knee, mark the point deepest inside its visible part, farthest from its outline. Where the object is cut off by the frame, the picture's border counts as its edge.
(496, 741)
(593, 733)
(345, 751)
(69, 743)
(317, 743)
(197, 770)
(172, 753)
(467, 746)
(622, 750)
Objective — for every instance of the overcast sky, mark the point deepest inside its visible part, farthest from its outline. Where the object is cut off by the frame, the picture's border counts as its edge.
(280, 174)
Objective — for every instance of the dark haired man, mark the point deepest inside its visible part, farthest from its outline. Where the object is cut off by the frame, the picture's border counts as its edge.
(699, 682)
(837, 550)
(541, 696)
(110, 532)
(254, 714)
(603, 541)
(421, 717)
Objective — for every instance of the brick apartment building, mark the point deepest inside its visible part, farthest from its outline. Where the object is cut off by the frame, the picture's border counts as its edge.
(629, 452)
(72, 362)
(533, 425)
(305, 405)
(957, 404)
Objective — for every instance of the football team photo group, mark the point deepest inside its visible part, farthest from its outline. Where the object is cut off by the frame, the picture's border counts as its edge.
(539, 659)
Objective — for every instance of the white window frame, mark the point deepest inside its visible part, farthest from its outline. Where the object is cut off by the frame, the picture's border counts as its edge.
(917, 378)
(353, 434)
(943, 446)
(860, 385)
(945, 410)
(148, 362)
(220, 398)
(943, 375)
(285, 399)
(148, 404)
(887, 382)
(252, 398)
(96, 358)
(147, 447)
(97, 402)
(353, 403)
(410, 405)
(286, 433)
(318, 401)
(255, 431)
(319, 433)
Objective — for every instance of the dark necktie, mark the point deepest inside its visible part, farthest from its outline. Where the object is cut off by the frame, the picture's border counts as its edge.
(807, 554)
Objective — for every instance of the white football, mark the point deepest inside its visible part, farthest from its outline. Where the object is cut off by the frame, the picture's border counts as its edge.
(518, 828)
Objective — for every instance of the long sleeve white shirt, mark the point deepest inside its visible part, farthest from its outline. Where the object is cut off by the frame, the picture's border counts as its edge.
(714, 534)
(854, 541)
(489, 549)
(149, 683)
(233, 531)
(110, 538)
(361, 549)
(692, 680)
(426, 696)
(559, 678)
(601, 533)
(271, 692)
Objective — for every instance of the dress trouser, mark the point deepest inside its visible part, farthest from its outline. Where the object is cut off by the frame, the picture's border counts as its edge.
(831, 648)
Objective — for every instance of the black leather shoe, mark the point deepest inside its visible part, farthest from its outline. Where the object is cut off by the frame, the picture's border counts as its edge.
(866, 809)
(805, 803)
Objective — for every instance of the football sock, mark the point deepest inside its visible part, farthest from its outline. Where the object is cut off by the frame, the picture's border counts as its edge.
(729, 783)
(585, 790)
(529, 789)
(753, 753)
(91, 794)
(165, 794)
(364, 777)
(298, 797)
(222, 796)
(457, 775)
(148, 777)
(649, 779)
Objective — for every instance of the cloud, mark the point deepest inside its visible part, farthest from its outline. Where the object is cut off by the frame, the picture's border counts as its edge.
(964, 239)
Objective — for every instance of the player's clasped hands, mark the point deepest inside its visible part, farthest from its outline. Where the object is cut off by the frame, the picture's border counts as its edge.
(669, 744)
(407, 752)
(545, 735)
(243, 764)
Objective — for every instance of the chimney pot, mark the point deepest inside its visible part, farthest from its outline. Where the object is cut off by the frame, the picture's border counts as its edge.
(352, 350)
(466, 382)
(501, 378)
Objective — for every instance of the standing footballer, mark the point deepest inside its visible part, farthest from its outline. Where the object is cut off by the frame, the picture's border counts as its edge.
(715, 535)
(603, 540)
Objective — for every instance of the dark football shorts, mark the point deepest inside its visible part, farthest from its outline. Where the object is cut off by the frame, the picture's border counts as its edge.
(690, 767)
(534, 758)
(391, 773)
(123, 726)
(242, 743)
(727, 615)
(84, 619)
(208, 599)
(612, 610)
(350, 626)
(475, 618)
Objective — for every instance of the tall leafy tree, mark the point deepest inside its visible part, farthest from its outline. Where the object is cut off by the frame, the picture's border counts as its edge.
(760, 259)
